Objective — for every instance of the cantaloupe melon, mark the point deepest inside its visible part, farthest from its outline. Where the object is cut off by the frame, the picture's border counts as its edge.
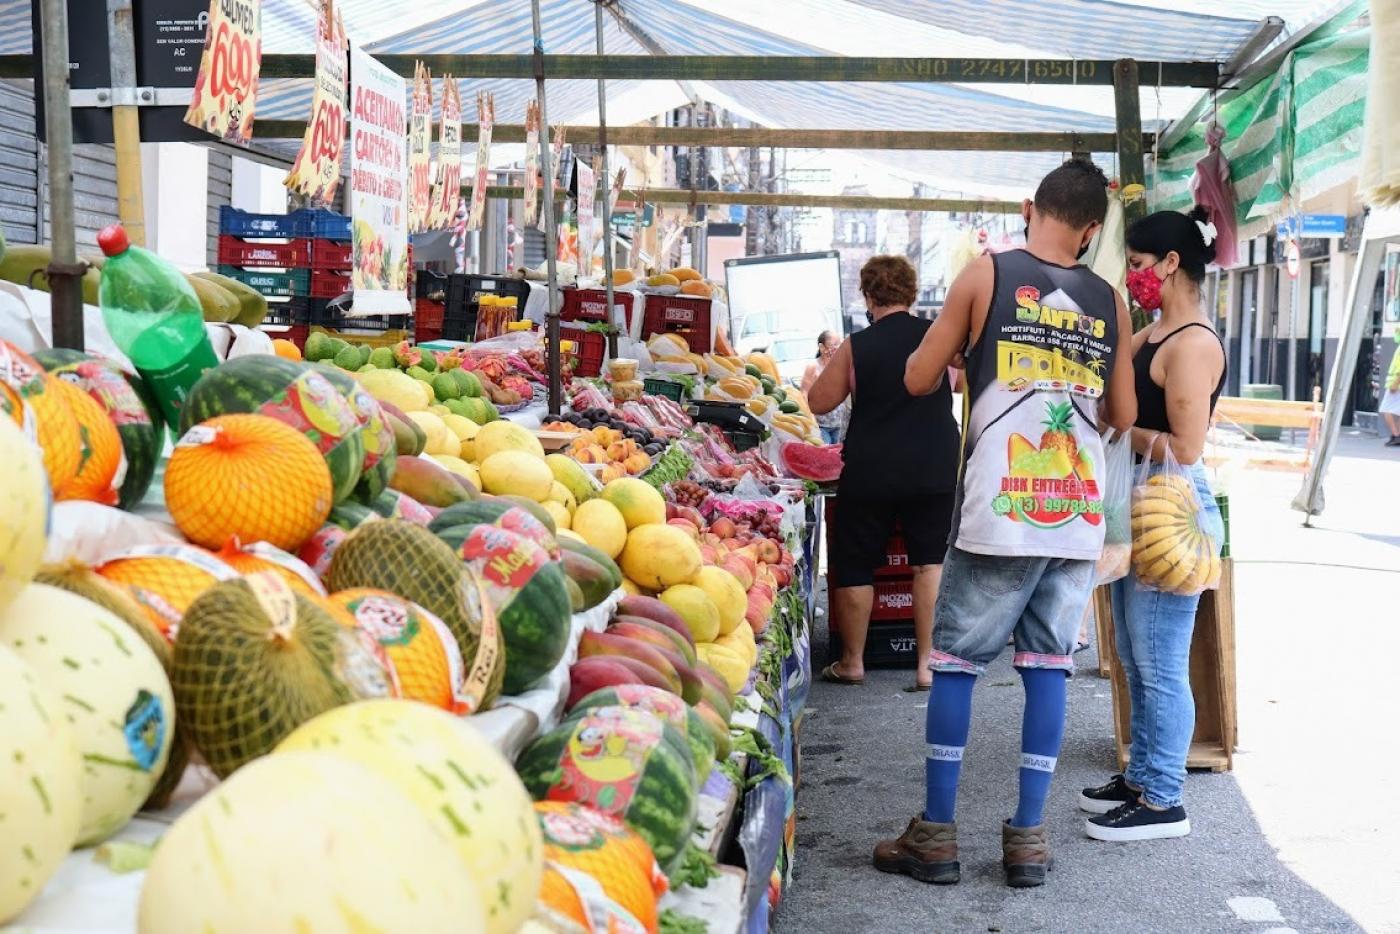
(410, 561)
(40, 785)
(24, 511)
(459, 780)
(113, 692)
(307, 841)
(254, 660)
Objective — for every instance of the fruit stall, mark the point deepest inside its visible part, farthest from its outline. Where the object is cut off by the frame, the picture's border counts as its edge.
(566, 658)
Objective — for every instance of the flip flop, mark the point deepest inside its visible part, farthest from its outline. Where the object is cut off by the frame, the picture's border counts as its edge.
(917, 688)
(831, 675)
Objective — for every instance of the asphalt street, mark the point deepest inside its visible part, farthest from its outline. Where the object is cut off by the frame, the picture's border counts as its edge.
(1299, 837)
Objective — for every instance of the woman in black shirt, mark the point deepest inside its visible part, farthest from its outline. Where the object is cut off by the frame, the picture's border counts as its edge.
(901, 467)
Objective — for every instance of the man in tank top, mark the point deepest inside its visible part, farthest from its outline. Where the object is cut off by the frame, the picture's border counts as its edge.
(1046, 346)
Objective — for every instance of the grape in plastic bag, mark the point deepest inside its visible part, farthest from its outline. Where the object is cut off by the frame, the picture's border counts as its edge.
(1174, 549)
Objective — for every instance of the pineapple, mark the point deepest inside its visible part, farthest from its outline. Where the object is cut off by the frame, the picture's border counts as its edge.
(1058, 434)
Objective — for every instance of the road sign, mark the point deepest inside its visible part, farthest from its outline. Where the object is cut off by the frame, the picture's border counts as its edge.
(1326, 226)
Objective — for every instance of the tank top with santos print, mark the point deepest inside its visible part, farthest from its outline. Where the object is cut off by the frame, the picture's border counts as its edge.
(1034, 381)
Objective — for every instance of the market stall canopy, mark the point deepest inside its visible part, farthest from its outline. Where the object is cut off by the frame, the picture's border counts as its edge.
(1078, 30)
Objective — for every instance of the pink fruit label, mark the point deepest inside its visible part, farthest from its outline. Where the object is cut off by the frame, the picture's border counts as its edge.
(604, 758)
(314, 407)
(505, 560)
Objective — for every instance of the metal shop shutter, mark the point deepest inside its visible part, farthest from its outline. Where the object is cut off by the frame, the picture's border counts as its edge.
(19, 163)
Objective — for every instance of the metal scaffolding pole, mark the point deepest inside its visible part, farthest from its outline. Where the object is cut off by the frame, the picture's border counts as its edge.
(550, 224)
(616, 325)
(65, 275)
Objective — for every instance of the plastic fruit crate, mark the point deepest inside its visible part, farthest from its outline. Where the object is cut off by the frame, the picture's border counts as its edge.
(372, 338)
(592, 305)
(293, 254)
(427, 320)
(307, 222)
(894, 599)
(685, 315)
(887, 645)
(271, 284)
(326, 284)
(330, 256)
(592, 349)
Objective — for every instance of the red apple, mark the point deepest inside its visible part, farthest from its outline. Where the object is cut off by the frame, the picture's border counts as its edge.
(742, 571)
(769, 551)
(685, 526)
(709, 554)
(673, 511)
(724, 527)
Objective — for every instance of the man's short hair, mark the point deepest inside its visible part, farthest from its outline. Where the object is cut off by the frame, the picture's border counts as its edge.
(1075, 194)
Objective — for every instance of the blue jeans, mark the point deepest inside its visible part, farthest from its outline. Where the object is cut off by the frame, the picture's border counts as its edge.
(1153, 631)
(984, 599)
(830, 435)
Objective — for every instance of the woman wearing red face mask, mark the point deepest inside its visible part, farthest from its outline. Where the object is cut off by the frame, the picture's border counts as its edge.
(1179, 370)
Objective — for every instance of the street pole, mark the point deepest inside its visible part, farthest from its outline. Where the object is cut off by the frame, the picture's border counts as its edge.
(616, 325)
(126, 120)
(65, 274)
(551, 228)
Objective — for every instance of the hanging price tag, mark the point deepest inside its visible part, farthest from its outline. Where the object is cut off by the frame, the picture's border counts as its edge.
(226, 88)
(486, 116)
(420, 141)
(316, 172)
(532, 164)
(447, 190)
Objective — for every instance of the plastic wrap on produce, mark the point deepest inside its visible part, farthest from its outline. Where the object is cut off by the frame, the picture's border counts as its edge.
(91, 533)
(518, 719)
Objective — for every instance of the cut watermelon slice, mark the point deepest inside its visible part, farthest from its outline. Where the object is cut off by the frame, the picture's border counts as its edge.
(820, 463)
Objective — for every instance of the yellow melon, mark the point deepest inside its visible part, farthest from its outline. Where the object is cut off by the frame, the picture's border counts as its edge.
(24, 511)
(638, 501)
(660, 556)
(503, 435)
(517, 473)
(599, 523)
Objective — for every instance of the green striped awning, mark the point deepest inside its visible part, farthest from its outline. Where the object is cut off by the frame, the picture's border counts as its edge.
(1295, 133)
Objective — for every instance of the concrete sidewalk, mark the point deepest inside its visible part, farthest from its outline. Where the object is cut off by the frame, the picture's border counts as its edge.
(1293, 839)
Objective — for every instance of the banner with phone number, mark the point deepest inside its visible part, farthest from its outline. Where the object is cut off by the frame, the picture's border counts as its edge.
(226, 88)
(316, 172)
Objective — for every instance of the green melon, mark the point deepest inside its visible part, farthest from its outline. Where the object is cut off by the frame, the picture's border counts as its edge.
(531, 601)
(254, 661)
(296, 393)
(130, 405)
(655, 795)
(408, 560)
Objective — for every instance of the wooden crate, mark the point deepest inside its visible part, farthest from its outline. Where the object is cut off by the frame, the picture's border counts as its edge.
(1212, 677)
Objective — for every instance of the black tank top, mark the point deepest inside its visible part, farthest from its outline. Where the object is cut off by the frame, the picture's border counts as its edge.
(897, 445)
(1151, 398)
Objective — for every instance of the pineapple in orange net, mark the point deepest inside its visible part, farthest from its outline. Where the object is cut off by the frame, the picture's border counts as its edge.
(580, 840)
(421, 654)
(248, 477)
(100, 453)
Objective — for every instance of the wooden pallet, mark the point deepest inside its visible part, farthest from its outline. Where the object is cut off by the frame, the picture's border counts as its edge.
(1212, 677)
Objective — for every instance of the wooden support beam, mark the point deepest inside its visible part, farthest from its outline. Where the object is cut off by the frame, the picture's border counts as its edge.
(785, 199)
(747, 137)
(1130, 141)
(741, 68)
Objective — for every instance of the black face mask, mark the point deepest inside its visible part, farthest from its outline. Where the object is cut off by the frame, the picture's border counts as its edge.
(1082, 250)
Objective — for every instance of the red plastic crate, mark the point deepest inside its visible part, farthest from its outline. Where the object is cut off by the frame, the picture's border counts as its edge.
(328, 284)
(592, 348)
(685, 315)
(262, 255)
(427, 320)
(330, 256)
(592, 305)
(893, 600)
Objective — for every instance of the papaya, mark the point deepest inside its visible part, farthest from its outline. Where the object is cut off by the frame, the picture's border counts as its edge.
(219, 304)
(673, 639)
(27, 265)
(623, 277)
(657, 611)
(598, 557)
(251, 303)
(593, 674)
(686, 274)
(602, 643)
(697, 288)
(663, 280)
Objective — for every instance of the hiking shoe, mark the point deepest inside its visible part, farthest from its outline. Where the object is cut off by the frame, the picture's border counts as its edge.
(1137, 821)
(1107, 796)
(1025, 855)
(925, 851)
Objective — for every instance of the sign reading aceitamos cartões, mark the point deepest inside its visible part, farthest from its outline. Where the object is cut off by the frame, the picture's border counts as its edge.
(226, 88)
(316, 172)
(378, 187)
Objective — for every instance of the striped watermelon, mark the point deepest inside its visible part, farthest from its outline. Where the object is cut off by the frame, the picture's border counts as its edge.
(528, 593)
(624, 762)
(495, 511)
(291, 392)
(381, 453)
(663, 704)
(128, 403)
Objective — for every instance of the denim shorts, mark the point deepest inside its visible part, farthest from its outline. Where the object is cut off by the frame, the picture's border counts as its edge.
(985, 599)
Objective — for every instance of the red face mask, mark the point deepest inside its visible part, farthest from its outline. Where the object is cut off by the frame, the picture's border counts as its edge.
(1145, 288)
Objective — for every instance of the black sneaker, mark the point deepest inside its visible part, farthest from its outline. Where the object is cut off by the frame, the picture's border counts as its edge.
(1107, 796)
(1137, 821)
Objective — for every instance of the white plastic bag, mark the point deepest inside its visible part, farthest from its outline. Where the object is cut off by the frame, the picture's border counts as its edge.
(1116, 489)
(1174, 549)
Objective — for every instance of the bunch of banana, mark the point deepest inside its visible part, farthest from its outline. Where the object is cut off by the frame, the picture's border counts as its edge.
(1171, 551)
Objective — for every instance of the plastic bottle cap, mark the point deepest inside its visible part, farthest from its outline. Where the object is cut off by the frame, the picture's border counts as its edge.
(113, 240)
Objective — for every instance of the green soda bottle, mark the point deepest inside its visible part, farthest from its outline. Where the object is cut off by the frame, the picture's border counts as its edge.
(155, 318)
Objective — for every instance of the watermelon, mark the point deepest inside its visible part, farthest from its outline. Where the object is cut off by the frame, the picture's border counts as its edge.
(381, 451)
(391, 504)
(500, 513)
(351, 515)
(665, 705)
(130, 405)
(820, 463)
(624, 762)
(527, 591)
(295, 393)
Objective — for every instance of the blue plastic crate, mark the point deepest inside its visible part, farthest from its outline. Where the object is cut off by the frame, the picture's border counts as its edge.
(308, 222)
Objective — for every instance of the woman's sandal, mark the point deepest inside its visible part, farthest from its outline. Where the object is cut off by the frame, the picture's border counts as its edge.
(831, 675)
